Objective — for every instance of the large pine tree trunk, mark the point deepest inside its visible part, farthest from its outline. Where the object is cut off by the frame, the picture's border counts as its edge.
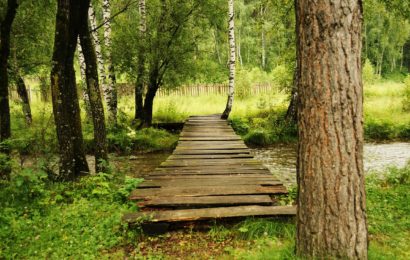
(5, 31)
(331, 217)
(64, 92)
(139, 86)
(232, 58)
(93, 90)
(111, 90)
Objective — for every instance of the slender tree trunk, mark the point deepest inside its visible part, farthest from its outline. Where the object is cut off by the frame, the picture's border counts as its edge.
(44, 88)
(21, 89)
(229, 103)
(263, 49)
(239, 49)
(25, 101)
(93, 90)
(153, 85)
(5, 31)
(81, 61)
(292, 112)
(97, 44)
(111, 90)
(139, 86)
(331, 217)
(217, 46)
(64, 92)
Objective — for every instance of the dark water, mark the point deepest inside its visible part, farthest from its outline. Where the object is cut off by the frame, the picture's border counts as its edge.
(281, 159)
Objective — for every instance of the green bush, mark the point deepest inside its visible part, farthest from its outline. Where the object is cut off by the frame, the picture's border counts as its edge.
(257, 137)
(374, 130)
(368, 75)
(283, 77)
(239, 125)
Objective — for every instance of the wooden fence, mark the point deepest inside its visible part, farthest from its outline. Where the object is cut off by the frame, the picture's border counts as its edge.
(125, 89)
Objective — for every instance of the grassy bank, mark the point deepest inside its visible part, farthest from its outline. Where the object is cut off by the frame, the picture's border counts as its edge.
(42, 219)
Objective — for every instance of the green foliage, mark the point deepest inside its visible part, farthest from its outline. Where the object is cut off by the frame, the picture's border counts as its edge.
(149, 139)
(257, 228)
(368, 74)
(283, 77)
(41, 219)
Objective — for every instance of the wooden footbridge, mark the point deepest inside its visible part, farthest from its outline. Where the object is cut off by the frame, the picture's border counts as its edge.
(211, 174)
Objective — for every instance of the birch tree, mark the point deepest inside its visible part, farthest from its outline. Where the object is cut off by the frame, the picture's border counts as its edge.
(331, 216)
(93, 91)
(5, 31)
(232, 58)
(139, 86)
(110, 89)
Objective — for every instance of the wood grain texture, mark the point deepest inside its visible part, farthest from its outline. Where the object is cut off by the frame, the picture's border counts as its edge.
(210, 171)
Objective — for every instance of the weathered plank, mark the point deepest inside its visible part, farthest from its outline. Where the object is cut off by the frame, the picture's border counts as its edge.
(207, 201)
(207, 191)
(210, 213)
(208, 156)
(206, 152)
(210, 167)
(208, 182)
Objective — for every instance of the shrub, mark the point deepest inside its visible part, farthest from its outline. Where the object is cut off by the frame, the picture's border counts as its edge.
(257, 137)
(368, 75)
(243, 86)
(283, 77)
(377, 130)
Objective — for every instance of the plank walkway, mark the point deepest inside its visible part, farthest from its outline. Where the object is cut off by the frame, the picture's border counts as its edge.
(211, 174)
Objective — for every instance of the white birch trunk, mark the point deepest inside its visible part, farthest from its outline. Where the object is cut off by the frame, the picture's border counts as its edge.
(98, 52)
(139, 86)
(81, 62)
(232, 58)
(111, 91)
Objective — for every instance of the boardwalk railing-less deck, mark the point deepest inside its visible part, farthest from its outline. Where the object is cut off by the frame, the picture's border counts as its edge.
(211, 174)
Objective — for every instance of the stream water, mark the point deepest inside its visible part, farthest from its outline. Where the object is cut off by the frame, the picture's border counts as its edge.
(281, 159)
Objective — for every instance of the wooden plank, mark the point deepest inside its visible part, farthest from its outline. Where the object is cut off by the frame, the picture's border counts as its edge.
(216, 138)
(207, 201)
(210, 213)
(207, 191)
(204, 151)
(208, 156)
(207, 182)
(215, 178)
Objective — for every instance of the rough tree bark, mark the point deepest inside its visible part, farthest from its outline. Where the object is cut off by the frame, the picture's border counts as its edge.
(139, 86)
(110, 90)
(331, 217)
(93, 91)
(5, 31)
(232, 58)
(153, 85)
(66, 109)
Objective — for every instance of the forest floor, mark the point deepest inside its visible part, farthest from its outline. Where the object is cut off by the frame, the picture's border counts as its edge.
(82, 220)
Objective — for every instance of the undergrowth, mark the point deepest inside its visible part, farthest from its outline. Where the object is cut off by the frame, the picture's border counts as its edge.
(41, 219)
